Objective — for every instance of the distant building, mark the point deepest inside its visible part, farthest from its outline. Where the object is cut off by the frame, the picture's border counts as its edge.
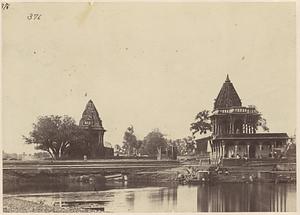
(91, 122)
(167, 153)
(234, 130)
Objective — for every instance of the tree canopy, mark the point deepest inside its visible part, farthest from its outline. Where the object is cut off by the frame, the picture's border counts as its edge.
(54, 134)
(202, 123)
(130, 143)
(152, 142)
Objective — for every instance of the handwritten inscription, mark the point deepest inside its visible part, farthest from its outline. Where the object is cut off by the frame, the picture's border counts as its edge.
(34, 16)
(4, 6)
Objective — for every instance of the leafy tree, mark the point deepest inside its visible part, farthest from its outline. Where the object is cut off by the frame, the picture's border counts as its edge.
(152, 142)
(202, 123)
(189, 144)
(138, 146)
(129, 141)
(53, 134)
(261, 122)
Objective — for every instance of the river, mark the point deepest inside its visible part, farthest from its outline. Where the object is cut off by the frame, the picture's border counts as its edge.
(226, 197)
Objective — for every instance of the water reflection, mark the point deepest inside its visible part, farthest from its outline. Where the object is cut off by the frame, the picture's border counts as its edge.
(247, 197)
(229, 197)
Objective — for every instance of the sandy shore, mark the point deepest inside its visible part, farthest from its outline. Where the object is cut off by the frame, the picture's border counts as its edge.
(15, 205)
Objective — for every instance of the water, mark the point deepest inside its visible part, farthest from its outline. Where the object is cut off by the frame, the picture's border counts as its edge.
(227, 197)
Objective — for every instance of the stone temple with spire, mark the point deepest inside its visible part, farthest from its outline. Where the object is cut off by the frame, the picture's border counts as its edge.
(234, 130)
(92, 123)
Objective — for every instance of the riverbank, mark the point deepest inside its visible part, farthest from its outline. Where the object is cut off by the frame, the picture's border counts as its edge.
(15, 205)
(40, 182)
(84, 176)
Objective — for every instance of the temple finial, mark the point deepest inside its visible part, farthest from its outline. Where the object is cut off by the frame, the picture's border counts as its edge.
(227, 78)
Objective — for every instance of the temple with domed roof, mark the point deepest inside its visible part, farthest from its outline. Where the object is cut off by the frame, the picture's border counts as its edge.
(234, 129)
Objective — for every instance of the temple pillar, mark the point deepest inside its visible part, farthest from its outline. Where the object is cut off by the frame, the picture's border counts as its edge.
(215, 126)
(213, 152)
(244, 126)
(248, 147)
(235, 150)
(216, 153)
(272, 150)
(231, 128)
(223, 149)
(260, 150)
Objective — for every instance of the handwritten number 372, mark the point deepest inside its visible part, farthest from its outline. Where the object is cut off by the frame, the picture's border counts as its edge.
(34, 16)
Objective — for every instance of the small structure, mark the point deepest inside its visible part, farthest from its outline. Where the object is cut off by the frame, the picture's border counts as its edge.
(203, 147)
(203, 150)
(234, 129)
(167, 153)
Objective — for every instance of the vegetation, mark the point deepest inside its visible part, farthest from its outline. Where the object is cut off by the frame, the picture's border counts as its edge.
(184, 146)
(55, 135)
(131, 145)
(202, 123)
(152, 142)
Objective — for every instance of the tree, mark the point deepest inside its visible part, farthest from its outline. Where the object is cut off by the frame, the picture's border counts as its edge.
(53, 134)
(189, 144)
(138, 146)
(152, 142)
(261, 122)
(202, 123)
(129, 141)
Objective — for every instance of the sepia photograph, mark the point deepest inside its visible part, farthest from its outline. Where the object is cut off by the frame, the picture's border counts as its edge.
(142, 107)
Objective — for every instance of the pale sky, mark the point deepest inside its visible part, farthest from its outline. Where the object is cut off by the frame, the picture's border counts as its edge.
(150, 65)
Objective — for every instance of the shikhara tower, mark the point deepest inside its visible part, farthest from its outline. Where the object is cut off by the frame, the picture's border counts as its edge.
(91, 121)
(229, 116)
(234, 130)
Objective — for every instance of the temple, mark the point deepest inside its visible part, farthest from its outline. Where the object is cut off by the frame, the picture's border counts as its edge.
(91, 122)
(234, 130)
